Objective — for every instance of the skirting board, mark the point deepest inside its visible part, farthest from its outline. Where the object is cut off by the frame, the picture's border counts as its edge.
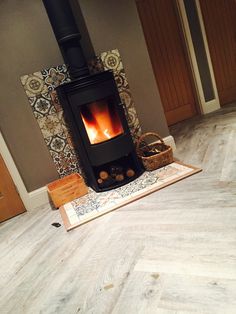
(31, 200)
(40, 197)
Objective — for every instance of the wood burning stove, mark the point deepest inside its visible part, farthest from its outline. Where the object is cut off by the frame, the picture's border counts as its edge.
(93, 110)
(100, 131)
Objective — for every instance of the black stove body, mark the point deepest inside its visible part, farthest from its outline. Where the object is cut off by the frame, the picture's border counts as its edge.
(93, 110)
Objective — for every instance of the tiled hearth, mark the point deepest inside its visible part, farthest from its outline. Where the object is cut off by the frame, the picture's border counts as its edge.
(39, 88)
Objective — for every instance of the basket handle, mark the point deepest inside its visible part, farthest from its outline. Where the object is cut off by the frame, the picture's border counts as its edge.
(142, 137)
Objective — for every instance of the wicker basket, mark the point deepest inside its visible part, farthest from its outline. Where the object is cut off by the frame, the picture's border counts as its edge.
(163, 157)
(66, 189)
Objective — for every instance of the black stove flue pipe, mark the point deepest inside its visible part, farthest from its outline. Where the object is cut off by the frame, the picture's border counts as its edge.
(68, 37)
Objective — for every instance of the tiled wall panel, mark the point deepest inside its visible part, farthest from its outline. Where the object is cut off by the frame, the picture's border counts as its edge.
(40, 90)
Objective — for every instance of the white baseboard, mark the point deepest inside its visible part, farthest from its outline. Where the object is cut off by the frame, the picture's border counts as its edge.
(38, 198)
(31, 200)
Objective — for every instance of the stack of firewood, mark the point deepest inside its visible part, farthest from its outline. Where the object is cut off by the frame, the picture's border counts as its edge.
(114, 175)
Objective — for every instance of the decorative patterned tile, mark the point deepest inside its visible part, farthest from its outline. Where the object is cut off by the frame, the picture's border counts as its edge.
(56, 143)
(121, 80)
(126, 97)
(37, 114)
(111, 60)
(42, 105)
(70, 141)
(61, 117)
(55, 101)
(69, 149)
(55, 76)
(95, 65)
(50, 125)
(40, 89)
(136, 132)
(34, 84)
(66, 163)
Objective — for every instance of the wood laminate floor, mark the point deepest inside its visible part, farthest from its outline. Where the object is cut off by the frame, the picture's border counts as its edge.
(172, 252)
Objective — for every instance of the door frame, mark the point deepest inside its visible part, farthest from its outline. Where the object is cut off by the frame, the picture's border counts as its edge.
(32, 199)
(205, 106)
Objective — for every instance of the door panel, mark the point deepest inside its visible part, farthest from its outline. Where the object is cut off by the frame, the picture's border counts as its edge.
(167, 53)
(10, 202)
(220, 24)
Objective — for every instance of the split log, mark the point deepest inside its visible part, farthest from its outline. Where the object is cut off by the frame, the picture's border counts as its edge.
(106, 183)
(100, 181)
(103, 175)
(130, 173)
(119, 177)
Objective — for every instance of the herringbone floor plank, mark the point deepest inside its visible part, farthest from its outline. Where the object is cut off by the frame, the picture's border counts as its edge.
(171, 252)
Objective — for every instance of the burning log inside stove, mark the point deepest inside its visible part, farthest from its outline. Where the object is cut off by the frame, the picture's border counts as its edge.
(101, 121)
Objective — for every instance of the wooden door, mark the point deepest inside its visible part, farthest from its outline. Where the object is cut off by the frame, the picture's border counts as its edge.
(220, 23)
(168, 56)
(10, 202)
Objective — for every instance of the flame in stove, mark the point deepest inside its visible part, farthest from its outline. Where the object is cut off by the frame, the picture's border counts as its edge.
(101, 122)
